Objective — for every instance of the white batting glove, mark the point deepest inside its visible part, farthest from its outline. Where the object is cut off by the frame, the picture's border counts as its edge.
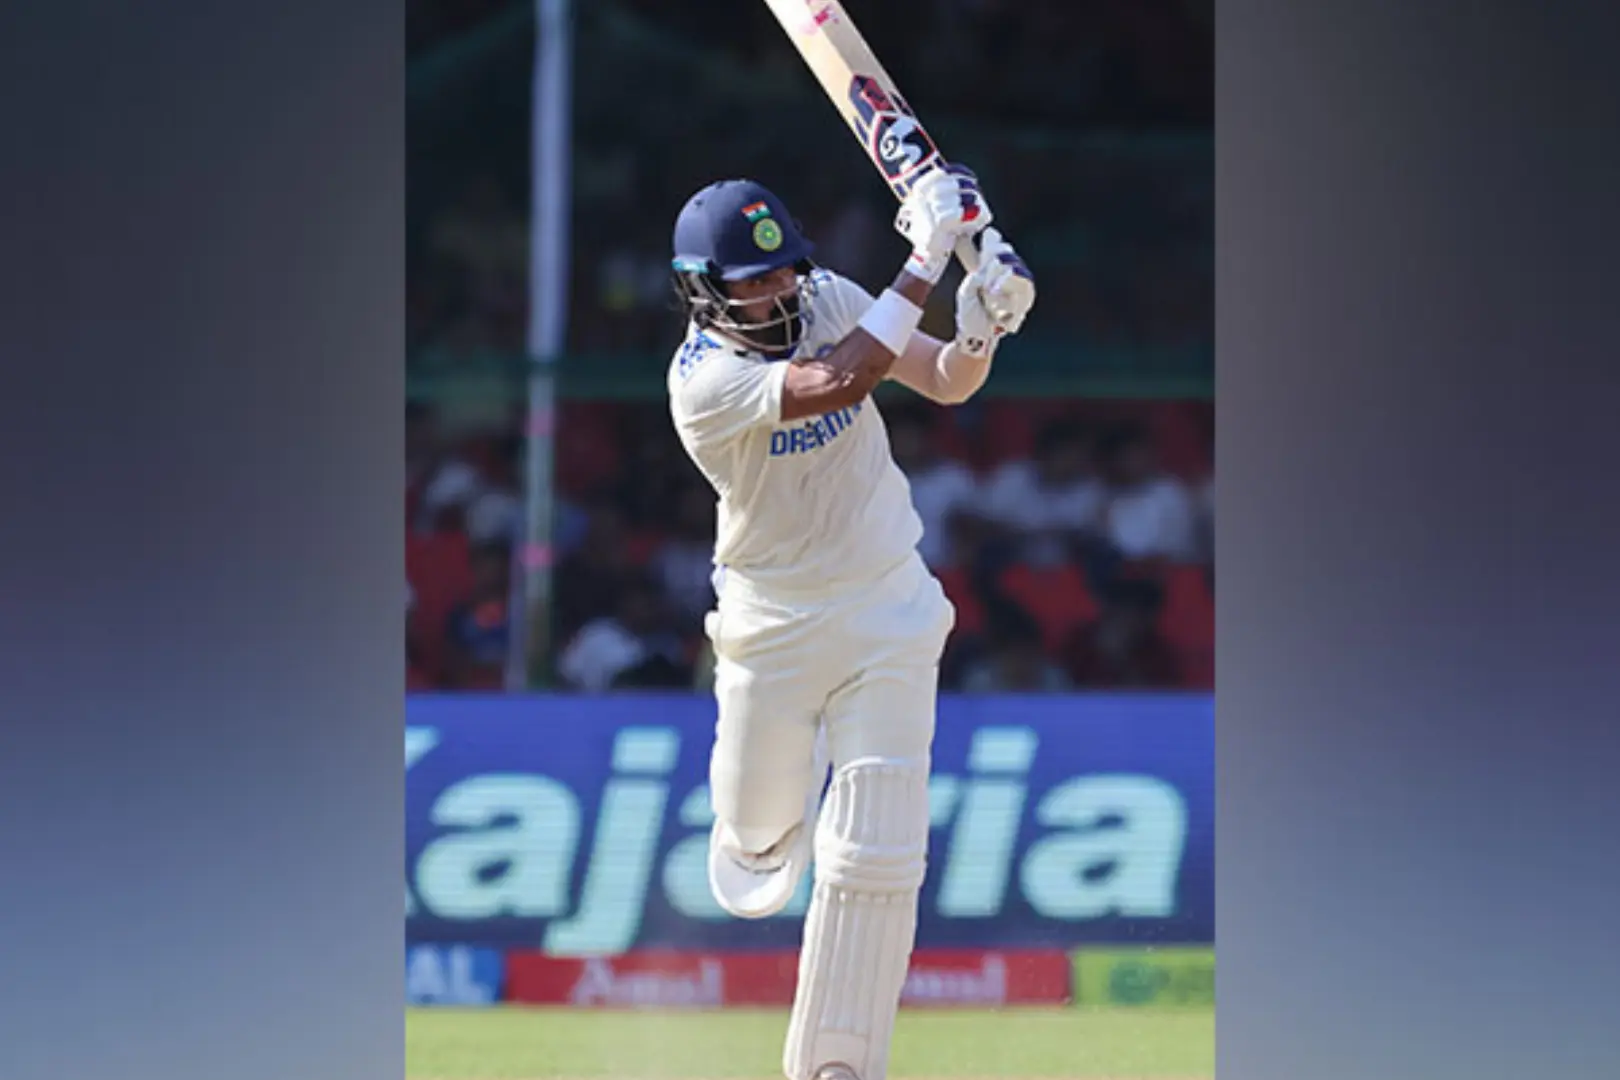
(944, 207)
(994, 300)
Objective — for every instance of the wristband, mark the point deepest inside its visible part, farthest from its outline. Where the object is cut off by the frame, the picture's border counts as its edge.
(892, 319)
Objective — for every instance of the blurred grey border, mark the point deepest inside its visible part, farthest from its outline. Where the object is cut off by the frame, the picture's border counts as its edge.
(202, 329)
(1416, 689)
(201, 323)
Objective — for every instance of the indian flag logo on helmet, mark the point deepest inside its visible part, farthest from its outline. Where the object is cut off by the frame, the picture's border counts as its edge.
(755, 211)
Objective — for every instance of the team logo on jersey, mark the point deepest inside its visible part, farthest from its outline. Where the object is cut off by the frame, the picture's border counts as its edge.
(812, 435)
(693, 351)
(767, 234)
(895, 140)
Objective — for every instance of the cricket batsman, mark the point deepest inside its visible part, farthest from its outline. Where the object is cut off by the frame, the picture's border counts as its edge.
(828, 627)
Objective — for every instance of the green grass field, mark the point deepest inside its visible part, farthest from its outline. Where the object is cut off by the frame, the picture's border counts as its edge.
(561, 1044)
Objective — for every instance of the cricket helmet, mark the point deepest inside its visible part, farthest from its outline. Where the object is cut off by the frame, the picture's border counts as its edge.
(733, 230)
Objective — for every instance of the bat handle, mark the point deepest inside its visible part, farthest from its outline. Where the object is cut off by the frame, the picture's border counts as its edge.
(1019, 286)
(967, 252)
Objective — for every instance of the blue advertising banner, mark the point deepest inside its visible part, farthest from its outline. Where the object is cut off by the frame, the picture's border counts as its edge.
(580, 824)
(453, 975)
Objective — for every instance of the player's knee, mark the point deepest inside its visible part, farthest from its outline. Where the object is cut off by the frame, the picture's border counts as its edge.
(873, 834)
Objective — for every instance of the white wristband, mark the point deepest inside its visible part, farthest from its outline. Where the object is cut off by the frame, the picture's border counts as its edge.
(892, 319)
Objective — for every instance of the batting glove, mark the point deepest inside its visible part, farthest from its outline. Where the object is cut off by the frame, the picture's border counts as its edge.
(945, 206)
(994, 300)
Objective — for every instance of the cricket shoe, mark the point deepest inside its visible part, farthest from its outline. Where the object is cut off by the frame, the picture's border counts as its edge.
(758, 886)
(836, 1072)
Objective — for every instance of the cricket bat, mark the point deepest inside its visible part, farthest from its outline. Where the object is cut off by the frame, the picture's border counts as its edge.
(864, 94)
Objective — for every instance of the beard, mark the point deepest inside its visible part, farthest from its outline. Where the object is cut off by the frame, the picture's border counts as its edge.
(776, 332)
(783, 335)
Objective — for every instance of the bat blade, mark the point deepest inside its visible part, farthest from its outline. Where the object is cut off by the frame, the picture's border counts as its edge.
(895, 141)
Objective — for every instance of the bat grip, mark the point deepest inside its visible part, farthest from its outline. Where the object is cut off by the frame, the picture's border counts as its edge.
(967, 252)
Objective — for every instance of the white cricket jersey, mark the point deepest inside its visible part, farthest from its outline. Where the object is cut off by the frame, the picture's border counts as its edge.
(812, 505)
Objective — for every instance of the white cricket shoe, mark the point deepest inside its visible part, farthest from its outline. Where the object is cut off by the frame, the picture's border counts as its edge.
(836, 1072)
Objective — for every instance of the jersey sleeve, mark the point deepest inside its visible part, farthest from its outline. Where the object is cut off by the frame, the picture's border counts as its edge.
(720, 395)
(841, 301)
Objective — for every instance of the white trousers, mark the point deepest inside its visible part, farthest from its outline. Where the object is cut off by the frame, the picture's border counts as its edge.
(865, 668)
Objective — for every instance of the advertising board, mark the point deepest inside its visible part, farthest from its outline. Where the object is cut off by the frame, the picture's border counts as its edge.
(578, 825)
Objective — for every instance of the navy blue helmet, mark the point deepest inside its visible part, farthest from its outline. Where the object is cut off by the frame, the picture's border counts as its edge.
(733, 230)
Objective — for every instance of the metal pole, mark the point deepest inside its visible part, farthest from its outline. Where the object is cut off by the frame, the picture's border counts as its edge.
(548, 319)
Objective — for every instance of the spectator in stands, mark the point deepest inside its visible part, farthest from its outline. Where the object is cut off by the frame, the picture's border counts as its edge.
(570, 525)
(1122, 649)
(494, 515)
(498, 511)
(684, 564)
(940, 487)
(632, 647)
(444, 499)
(1015, 660)
(478, 631)
(1149, 514)
(440, 485)
(1052, 502)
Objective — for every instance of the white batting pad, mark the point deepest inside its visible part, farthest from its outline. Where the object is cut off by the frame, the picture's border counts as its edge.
(871, 855)
(752, 884)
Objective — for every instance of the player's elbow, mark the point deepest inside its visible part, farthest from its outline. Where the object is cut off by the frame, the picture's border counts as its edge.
(928, 384)
(861, 380)
(947, 394)
(865, 380)
(819, 397)
(957, 387)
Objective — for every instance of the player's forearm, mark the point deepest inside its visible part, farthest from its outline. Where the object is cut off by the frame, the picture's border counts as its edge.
(912, 287)
(847, 374)
(868, 353)
(866, 356)
(941, 371)
(959, 374)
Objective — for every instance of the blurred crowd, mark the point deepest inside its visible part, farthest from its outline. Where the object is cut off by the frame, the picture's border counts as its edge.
(1099, 63)
(1073, 537)
(1089, 121)
(1073, 63)
(1075, 540)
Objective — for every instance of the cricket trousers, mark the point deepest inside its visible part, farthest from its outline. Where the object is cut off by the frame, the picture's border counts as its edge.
(861, 670)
